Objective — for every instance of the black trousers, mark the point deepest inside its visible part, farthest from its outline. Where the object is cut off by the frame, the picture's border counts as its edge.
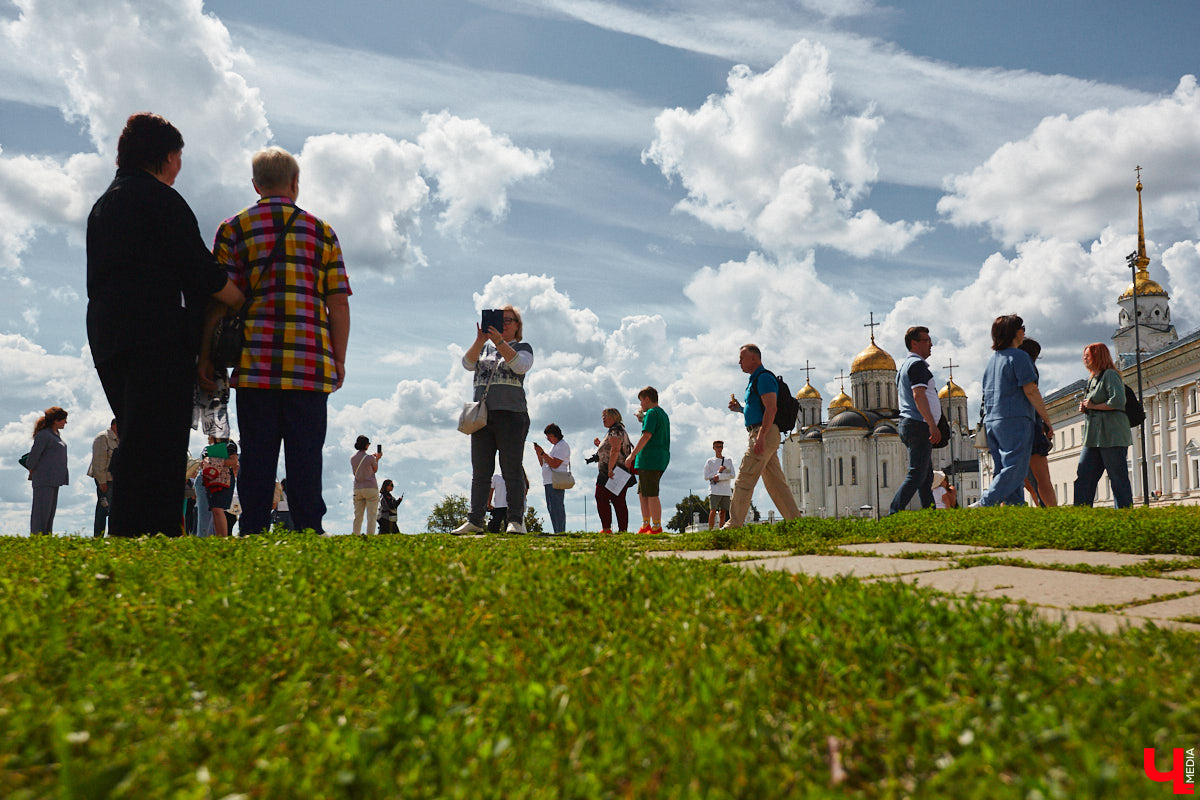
(150, 392)
(296, 419)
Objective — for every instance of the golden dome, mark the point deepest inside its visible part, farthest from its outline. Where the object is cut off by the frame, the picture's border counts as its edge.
(1145, 287)
(951, 389)
(808, 392)
(872, 358)
(841, 401)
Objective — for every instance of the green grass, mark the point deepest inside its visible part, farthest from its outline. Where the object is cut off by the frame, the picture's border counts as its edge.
(567, 667)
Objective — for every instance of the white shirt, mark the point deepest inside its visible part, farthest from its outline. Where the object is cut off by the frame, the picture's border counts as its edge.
(724, 484)
(939, 497)
(562, 451)
(499, 498)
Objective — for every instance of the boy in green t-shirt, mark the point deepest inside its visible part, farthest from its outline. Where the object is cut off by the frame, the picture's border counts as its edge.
(650, 457)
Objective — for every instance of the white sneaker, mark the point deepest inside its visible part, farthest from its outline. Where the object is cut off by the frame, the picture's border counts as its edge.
(516, 527)
(976, 504)
(465, 528)
(728, 526)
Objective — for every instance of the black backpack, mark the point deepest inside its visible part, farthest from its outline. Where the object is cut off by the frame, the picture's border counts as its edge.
(787, 407)
(1133, 408)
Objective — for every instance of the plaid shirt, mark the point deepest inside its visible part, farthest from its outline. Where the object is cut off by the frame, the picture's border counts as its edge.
(288, 342)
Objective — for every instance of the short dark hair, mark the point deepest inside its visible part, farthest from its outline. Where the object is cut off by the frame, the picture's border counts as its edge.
(362, 443)
(650, 392)
(912, 333)
(146, 142)
(553, 430)
(718, 442)
(753, 348)
(1031, 347)
(1004, 330)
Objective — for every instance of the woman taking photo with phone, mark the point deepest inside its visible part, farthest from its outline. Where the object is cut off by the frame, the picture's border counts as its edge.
(366, 487)
(500, 361)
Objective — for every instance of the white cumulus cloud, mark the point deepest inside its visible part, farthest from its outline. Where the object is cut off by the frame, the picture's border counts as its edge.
(1072, 176)
(776, 158)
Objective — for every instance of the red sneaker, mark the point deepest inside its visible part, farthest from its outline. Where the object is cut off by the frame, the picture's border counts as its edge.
(657, 529)
(606, 532)
(644, 529)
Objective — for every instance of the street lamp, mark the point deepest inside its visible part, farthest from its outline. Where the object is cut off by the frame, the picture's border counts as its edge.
(1132, 260)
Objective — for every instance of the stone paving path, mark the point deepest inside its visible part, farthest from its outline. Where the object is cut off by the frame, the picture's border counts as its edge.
(1171, 600)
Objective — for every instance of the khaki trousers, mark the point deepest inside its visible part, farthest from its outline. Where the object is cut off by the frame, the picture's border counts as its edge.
(765, 465)
(366, 502)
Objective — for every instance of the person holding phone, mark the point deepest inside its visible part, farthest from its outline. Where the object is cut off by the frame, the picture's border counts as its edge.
(366, 487)
(499, 360)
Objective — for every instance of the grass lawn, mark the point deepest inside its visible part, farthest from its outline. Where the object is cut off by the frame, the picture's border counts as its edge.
(431, 666)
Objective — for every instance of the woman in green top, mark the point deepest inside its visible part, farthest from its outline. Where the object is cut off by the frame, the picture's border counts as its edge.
(1106, 436)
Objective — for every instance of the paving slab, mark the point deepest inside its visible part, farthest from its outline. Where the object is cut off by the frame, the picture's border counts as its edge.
(832, 566)
(1046, 586)
(1194, 574)
(1105, 623)
(903, 548)
(1090, 557)
(1167, 609)
(716, 555)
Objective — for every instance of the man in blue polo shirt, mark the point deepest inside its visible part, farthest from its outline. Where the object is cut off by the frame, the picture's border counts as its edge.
(919, 412)
(762, 457)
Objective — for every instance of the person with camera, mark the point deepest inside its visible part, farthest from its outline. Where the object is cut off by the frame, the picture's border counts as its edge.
(366, 486)
(499, 360)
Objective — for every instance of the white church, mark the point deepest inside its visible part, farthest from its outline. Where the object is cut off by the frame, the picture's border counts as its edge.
(851, 463)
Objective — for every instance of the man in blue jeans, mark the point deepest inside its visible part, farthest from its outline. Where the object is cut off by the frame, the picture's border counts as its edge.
(918, 398)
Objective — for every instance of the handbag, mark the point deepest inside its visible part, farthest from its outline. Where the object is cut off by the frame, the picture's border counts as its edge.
(473, 416)
(229, 336)
(562, 480)
(943, 427)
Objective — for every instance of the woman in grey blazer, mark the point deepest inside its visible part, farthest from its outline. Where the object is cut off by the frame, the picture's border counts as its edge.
(47, 465)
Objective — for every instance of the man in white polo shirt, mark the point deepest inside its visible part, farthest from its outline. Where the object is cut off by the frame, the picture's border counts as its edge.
(719, 472)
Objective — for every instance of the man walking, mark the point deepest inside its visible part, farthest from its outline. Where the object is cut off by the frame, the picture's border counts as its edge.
(297, 326)
(918, 398)
(719, 473)
(102, 450)
(762, 457)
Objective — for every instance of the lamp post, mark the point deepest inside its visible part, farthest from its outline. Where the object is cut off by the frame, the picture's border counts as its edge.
(1132, 260)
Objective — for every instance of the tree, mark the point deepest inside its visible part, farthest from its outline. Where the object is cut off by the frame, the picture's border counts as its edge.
(448, 514)
(754, 515)
(684, 510)
(532, 523)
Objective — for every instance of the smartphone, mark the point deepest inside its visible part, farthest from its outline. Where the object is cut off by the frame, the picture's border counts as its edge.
(379, 449)
(492, 318)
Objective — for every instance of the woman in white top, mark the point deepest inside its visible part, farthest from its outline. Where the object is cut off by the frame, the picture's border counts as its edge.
(558, 460)
(944, 495)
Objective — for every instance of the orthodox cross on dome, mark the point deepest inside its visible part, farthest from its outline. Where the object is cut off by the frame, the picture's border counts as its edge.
(951, 367)
(842, 378)
(872, 325)
(807, 370)
(1138, 170)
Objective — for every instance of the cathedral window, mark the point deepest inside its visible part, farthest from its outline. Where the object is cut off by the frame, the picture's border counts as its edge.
(885, 483)
(806, 484)
(878, 397)
(853, 471)
(841, 472)
(829, 472)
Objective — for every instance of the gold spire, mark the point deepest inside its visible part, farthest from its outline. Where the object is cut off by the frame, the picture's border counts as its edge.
(951, 389)
(1144, 285)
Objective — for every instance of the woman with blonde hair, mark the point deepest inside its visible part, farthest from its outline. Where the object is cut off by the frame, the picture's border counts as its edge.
(1106, 435)
(47, 465)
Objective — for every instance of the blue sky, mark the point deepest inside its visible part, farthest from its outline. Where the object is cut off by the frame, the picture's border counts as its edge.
(652, 183)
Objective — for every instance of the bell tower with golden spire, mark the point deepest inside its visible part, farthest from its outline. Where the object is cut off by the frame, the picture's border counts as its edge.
(1153, 302)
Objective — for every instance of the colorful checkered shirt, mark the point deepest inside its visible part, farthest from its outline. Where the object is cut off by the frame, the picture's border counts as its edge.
(288, 342)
